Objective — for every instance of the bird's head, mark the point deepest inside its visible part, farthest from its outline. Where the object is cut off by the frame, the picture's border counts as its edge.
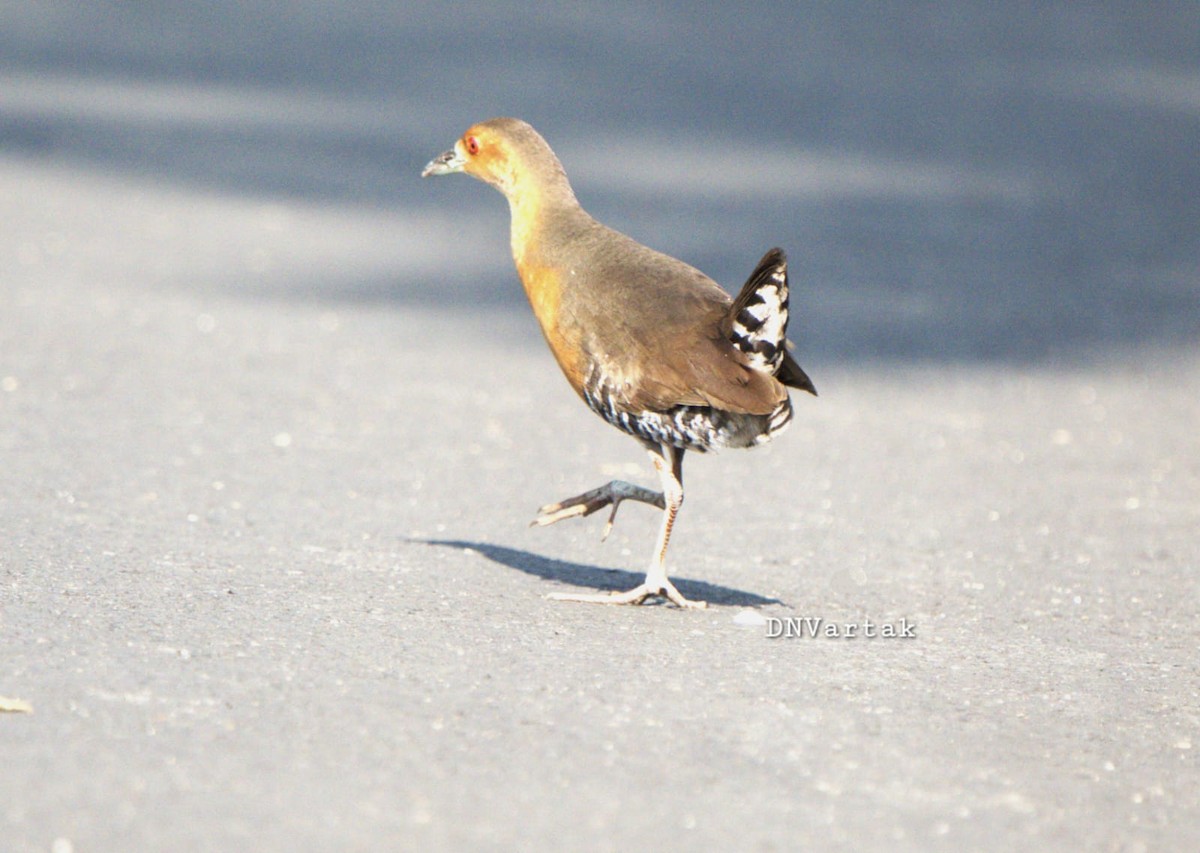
(504, 152)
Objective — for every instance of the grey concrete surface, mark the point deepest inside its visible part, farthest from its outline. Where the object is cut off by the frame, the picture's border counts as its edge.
(274, 418)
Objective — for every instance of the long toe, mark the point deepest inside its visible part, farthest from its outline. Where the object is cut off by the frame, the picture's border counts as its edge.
(638, 595)
(676, 598)
(551, 513)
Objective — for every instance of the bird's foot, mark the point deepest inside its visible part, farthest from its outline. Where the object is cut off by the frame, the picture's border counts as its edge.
(589, 502)
(649, 589)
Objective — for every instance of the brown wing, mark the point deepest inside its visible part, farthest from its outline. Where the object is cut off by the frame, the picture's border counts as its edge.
(705, 370)
(658, 333)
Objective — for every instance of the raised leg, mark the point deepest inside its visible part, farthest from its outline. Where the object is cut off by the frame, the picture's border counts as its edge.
(668, 461)
(589, 502)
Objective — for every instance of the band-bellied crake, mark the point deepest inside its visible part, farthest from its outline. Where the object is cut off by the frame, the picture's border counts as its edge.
(652, 345)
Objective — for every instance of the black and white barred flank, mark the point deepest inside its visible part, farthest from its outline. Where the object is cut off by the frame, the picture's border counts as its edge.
(760, 314)
(698, 428)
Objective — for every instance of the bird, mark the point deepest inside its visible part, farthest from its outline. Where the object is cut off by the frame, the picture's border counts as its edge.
(651, 344)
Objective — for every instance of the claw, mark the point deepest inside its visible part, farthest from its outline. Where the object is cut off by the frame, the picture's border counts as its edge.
(608, 525)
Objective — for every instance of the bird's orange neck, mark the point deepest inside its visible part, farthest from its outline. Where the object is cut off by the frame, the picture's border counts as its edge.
(533, 202)
(543, 274)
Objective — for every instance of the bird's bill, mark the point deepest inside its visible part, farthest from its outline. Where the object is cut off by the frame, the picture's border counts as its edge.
(446, 163)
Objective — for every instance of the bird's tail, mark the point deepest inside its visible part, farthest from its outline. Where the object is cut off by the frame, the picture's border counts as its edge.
(758, 322)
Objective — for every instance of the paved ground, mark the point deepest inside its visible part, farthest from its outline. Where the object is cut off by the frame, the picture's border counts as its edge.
(273, 420)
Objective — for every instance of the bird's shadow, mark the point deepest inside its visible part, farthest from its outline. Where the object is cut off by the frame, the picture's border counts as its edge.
(580, 574)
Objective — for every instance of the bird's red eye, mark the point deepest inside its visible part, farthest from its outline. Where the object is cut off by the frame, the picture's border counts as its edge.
(472, 145)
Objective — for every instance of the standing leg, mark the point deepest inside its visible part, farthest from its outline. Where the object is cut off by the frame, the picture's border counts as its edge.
(668, 461)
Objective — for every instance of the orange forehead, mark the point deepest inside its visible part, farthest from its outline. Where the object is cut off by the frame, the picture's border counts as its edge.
(482, 134)
(483, 146)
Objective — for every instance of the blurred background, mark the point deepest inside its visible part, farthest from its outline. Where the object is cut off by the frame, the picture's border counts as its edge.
(953, 181)
(274, 415)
